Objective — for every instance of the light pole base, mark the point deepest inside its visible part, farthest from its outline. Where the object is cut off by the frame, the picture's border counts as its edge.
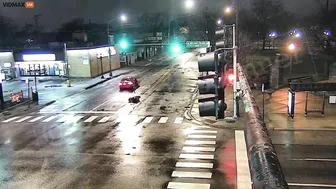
(102, 77)
(111, 75)
(68, 83)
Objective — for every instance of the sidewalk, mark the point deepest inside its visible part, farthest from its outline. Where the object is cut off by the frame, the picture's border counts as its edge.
(211, 121)
(276, 112)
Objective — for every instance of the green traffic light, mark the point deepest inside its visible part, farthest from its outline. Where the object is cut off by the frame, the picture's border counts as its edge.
(123, 45)
(176, 48)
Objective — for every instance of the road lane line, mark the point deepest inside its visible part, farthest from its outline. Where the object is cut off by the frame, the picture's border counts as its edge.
(312, 159)
(90, 119)
(179, 120)
(197, 142)
(194, 165)
(11, 119)
(202, 136)
(23, 119)
(36, 119)
(75, 119)
(243, 170)
(200, 127)
(105, 119)
(198, 149)
(186, 174)
(313, 185)
(163, 120)
(184, 185)
(196, 156)
(204, 131)
(148, 120)
(63, 119)
(49, 119)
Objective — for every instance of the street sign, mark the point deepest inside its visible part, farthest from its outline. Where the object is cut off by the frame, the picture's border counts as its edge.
(196, 44)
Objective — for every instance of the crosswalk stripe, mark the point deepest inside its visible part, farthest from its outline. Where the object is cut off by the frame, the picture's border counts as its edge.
(194, 165)
(11, 119)
(148, 119)
(90, 119)
(196, 156)
(198, 149)
(36, 119)
(202, 136)
(184, 185)
(23, 119)
(204, 131)
(201, 127)
(187, 174)
(197, 142)
(105, 119)
(163, 120)
(49, 119)
(178, 120)
(63, 119)
(75, 119)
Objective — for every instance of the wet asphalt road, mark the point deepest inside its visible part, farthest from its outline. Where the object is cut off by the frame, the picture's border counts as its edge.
(95, 139)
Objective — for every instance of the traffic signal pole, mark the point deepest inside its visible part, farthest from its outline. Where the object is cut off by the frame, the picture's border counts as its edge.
(234, 72)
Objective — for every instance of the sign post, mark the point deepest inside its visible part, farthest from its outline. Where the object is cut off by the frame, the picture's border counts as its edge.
(291, 103)
(197, 44)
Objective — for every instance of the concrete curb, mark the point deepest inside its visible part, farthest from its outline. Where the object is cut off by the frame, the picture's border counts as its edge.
(33, 109)
(103, 81)
(303, 129)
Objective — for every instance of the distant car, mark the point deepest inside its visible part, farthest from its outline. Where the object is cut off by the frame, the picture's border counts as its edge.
(128, 83)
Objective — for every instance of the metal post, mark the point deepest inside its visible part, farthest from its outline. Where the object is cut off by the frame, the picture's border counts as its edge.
(306, 104)
(35, 79)
(290, 66)
(101, 65)
(111, 74)
(2, 101)
(234, 73)
(108, 33)
(323, 101)
(67, 65)
(216, 83)
(263, 101)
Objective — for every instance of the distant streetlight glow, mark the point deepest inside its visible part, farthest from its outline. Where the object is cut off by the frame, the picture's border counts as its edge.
(219, 21)
(291, 47)
(297, 35)
(327, 33)
(123, 18)
(228, 9)
(272, 34)
(189, 3)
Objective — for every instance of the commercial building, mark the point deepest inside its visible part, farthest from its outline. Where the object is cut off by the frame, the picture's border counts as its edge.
(7, 70)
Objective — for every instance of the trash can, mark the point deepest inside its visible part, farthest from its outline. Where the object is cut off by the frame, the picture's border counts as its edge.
(35, 96)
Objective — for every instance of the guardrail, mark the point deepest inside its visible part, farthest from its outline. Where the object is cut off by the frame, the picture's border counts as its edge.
(266, 172)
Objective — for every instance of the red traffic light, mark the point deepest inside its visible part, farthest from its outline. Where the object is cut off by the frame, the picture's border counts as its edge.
(231, 77)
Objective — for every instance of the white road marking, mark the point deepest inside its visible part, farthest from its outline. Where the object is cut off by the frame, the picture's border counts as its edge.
(63, 119)
(184, 185)
(312, 159)
(185, 174)
(243, 170)
(313, 185)
(201, 127)
(163, 120)
(204, 131)
(10, 119)
(148, 120)
(36, 119)
(199, 149)
(196, 156)
(105, 119)
(202, 136)
(194, 110)
(178, 120)
(90, 119)
(82, 112)
(23, 119)
(197, 142)
(194, 165)
(101, 105)
(75, 119)
(49, 119)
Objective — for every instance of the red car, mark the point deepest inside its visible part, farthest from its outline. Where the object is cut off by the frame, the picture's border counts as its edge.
(128, 83)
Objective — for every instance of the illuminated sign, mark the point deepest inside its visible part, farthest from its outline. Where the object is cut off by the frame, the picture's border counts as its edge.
(104, 51)
(5, 53)
(7, 65)
(39, 57)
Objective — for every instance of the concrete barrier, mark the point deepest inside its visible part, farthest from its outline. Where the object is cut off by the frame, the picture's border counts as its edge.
(266, 172)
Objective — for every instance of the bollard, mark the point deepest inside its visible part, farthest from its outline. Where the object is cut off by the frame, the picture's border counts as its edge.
(265, 169)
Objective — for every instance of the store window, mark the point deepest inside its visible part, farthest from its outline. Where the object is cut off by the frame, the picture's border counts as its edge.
(41, 68)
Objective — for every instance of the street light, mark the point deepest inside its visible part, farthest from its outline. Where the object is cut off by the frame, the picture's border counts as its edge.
(228, 9)
(291, 48)
(123, 18)
(189, 3)
(219, 21)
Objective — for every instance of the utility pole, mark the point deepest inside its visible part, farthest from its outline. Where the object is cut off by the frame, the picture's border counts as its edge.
(36, 17)
(235, 114)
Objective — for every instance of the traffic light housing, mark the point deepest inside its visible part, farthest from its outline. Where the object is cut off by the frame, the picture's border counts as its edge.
(212, 84)
(124, 44)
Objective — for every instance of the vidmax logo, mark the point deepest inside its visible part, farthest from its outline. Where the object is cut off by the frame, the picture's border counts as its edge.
(27, 4)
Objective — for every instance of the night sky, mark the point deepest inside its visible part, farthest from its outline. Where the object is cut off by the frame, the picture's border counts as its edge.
(55, 12)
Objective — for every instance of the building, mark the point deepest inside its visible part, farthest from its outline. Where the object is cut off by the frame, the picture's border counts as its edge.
(83, 62)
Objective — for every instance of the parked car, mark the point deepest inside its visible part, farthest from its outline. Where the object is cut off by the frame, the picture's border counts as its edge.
(128, 83)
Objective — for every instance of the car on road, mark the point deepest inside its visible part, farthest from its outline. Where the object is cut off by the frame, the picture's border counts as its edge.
(128, 83)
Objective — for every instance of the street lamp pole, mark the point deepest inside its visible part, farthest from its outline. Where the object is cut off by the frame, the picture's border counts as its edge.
(2, 101)
(234, 72)
(109, 50)
(101, 65)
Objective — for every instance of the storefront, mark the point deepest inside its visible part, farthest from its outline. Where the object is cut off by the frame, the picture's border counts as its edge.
(7, 70)
(46, 63)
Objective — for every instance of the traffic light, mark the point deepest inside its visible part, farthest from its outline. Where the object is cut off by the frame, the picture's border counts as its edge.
(176, 47)
(124, 44)
(212, 84)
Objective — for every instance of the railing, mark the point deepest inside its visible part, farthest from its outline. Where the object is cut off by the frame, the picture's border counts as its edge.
(266, 172)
